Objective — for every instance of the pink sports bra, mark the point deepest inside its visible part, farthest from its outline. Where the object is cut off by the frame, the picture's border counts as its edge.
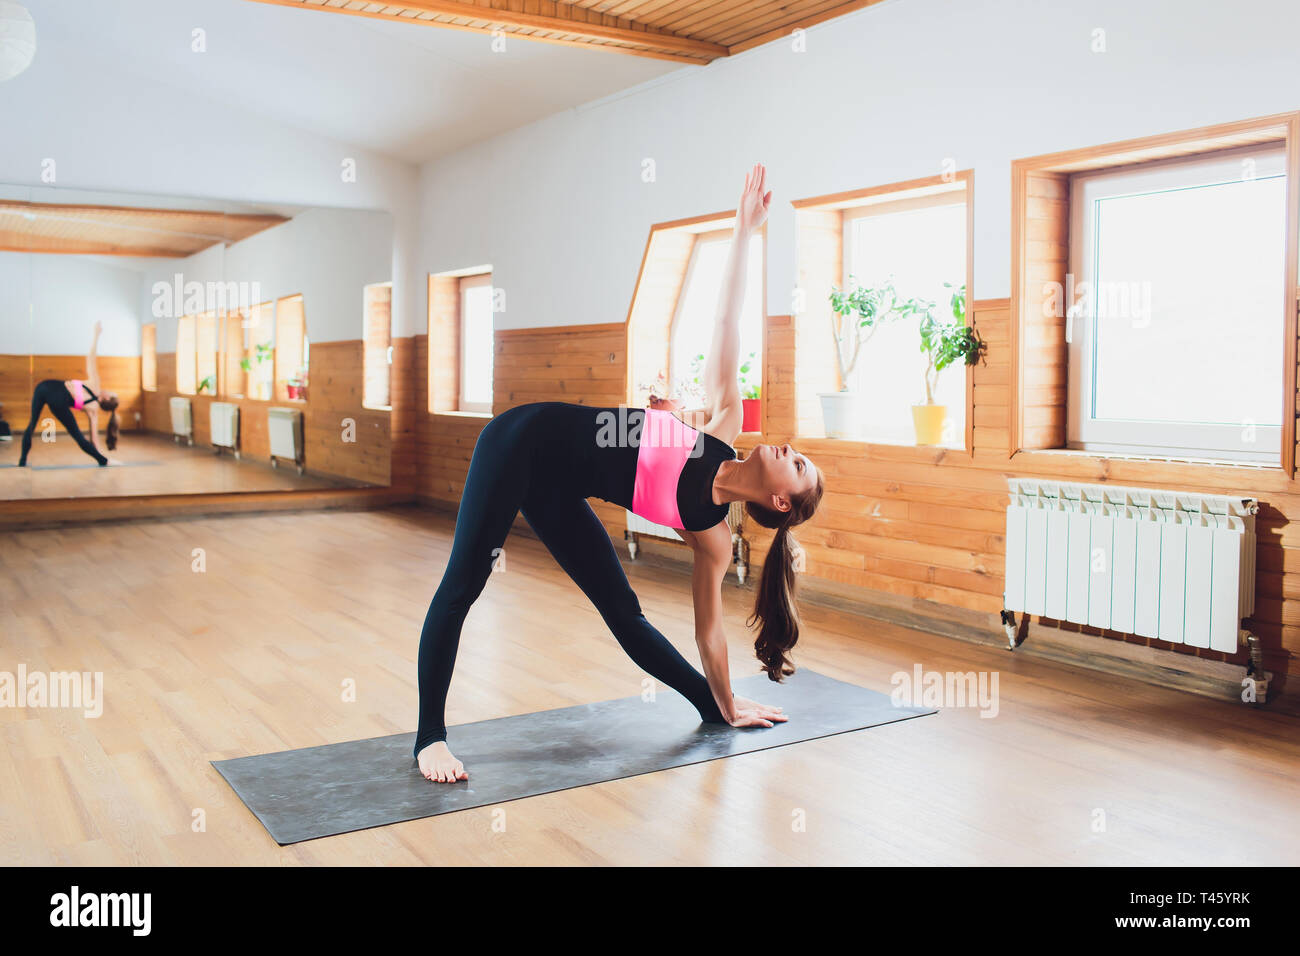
(78, 394)
(675, 468)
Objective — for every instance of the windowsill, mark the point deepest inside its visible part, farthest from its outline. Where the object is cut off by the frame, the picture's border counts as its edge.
(455, 413)
(867, 448)
(377, 408)
(1093, 455)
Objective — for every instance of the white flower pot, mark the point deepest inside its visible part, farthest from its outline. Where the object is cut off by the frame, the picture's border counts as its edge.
(840, 414)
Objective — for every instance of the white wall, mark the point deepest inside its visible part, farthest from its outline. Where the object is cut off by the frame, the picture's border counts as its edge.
(880, 96)
(327, 255)
(66, 295)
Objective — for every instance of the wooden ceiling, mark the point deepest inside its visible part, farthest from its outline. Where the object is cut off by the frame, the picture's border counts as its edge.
(121, 230)
(690, 31)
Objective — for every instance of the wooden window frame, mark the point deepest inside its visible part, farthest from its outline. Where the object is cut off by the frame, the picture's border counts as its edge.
(851, 199)
(1028, 272)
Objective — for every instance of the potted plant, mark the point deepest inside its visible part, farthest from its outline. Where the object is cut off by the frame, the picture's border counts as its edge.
(263, 354)
(751, 394)
(943, 344)
(855, 317)
(209, 384)
(297, 386)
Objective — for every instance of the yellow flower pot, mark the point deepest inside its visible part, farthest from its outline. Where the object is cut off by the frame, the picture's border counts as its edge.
(929, 420)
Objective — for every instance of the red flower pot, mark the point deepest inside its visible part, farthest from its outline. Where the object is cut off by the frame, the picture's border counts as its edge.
(753, 421)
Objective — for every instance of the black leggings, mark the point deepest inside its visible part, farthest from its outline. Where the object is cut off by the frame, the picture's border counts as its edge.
(54, 393)
(511, 471)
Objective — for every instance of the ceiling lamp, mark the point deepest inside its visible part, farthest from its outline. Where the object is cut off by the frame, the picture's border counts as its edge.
(17, 39)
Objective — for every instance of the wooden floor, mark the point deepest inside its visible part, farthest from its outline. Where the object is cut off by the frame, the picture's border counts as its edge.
(151, 465)
(251, 655)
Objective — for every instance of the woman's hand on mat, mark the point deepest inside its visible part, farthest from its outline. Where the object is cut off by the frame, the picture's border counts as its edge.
(751, 211)
(437, 764)
(753, 714)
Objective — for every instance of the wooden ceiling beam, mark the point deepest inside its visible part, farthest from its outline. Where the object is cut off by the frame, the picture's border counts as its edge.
(667, 46)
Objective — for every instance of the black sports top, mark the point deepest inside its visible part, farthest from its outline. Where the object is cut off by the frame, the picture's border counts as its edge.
(645, 460)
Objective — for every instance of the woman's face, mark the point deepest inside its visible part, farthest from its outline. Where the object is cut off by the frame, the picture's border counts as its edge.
(783, 472)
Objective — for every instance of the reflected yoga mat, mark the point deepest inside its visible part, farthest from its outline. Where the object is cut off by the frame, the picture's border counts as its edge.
(89, 464)
(338, 788)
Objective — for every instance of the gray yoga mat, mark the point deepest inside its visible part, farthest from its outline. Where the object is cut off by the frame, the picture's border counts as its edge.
(338, 788)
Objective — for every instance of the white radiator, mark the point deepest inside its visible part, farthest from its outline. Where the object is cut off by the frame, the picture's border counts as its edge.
(182, 422)
(224, 420)
(1171, 565)
(284, 429)
(638, 525)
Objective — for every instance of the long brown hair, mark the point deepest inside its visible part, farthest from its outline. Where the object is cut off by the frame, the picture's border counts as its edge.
(774, 604)
(110, 405)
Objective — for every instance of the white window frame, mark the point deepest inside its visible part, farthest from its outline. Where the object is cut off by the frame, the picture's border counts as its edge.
(1226, 442)
(470, 282)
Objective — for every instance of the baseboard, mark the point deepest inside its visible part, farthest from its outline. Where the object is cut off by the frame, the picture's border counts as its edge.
(39, 513)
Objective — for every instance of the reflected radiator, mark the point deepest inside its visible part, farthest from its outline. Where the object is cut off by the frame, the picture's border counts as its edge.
(224, 420)
(284, 428)
(1171, 565)
(182, 422)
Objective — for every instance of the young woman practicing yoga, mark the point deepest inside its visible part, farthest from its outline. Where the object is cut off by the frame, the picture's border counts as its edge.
(64, 397)
(546, 458)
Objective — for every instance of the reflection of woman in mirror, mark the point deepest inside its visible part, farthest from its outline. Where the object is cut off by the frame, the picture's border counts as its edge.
(65, 397)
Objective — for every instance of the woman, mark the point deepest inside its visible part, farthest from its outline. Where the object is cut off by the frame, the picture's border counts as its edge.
(65, 397)
(546, 458)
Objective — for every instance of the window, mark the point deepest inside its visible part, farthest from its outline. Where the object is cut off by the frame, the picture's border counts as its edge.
(377, 345)
(205, 353)
(919, 244)
(186, 381)
(260, 353)
(290, 345)
(1178, 268)
(693, 320)
(233, 379)
(476, 302)
(149, 357)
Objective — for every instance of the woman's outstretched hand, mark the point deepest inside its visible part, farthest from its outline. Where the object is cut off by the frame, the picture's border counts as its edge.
(752, 714)
(755, 199)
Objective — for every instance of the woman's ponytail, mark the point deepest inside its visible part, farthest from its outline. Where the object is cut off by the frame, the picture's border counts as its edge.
(110, 436)
(774, 609)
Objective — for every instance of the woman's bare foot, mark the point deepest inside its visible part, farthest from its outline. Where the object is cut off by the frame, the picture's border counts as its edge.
(437, 764)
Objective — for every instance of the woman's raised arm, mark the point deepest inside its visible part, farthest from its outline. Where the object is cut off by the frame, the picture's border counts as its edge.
(722, 367)
(92, 361)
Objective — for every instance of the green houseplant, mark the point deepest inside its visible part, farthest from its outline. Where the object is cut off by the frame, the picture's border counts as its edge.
(856, 315)
(209, 384)
(261, 355)
(943, 343)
